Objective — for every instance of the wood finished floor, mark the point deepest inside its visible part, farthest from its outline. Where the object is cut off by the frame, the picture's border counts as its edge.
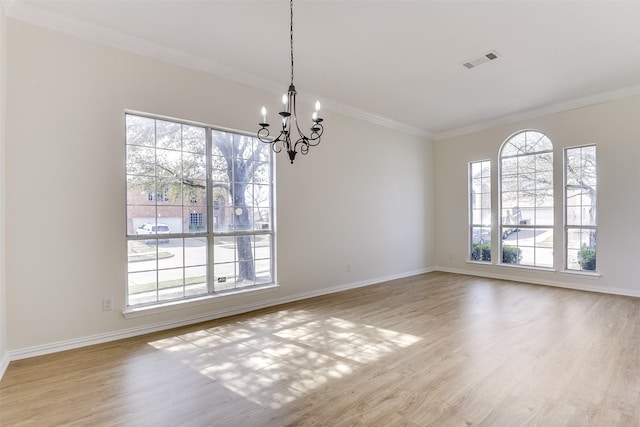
(433, 350)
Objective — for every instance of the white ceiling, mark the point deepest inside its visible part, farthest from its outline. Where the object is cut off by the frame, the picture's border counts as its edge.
(398, 63)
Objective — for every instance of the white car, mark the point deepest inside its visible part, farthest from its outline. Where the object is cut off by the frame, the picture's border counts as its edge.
(154, 229)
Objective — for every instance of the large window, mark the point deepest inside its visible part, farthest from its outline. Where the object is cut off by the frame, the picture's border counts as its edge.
(480, 210)
(526, 200)
(580, 207)
(188, 235)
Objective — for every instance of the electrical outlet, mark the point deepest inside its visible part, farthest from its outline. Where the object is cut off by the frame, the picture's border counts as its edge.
(107, 304)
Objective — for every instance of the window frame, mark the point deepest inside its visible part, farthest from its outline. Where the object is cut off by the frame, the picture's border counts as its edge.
(240, 233)
(520, 225)
(589, 227)
(482, 226)
(207, 211)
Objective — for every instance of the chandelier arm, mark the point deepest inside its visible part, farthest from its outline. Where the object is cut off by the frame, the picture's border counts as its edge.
(263, 134)
(275, 147)
(317, 130)
(277, 144)
(314, 138)
(303, 143)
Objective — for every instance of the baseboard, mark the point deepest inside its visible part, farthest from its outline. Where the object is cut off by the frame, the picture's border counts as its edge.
(537, 281)
(4, 364)
(142, 330)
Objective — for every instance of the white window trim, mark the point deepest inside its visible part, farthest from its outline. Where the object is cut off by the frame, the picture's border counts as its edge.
(471, 224)
(566, 227)
(132, 311)
(499, 201)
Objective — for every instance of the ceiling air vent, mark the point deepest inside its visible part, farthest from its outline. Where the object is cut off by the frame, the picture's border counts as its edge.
(489, 56)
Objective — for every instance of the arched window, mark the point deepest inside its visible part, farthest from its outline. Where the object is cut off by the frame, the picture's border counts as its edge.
(526, 199)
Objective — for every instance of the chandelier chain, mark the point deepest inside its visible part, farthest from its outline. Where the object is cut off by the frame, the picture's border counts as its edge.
(291, 38)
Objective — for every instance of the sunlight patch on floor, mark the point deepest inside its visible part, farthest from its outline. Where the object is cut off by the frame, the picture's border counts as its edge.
(273, 359)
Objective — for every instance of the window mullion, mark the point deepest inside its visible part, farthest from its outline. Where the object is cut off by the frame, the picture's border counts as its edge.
(209, 209)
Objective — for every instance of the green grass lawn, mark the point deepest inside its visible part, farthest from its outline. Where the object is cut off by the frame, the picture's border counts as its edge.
(165, 284)
(140, 251)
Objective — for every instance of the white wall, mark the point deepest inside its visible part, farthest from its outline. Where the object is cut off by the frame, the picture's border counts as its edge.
(4, 355)
(615, 128)
(363, 197)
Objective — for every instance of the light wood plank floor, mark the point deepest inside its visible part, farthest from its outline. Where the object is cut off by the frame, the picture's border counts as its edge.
(437, 349)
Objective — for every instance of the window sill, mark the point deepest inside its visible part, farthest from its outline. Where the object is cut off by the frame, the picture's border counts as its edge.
(528, 267)
(148, 310)
(478, 262)
(589, 274)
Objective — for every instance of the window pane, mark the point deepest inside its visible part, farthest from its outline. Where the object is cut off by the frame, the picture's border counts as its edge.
(141, 256)
(528, 246)
(224, 249)
(142, 287)
(168, 135)
(262, 246)
(170, 284)
(581, 249)
(141, 160)
(168, 163)
(169, 219)
(224, 276)
(481, 243)
(219, 171)
(138, 190)
(263, 271)
(195, 193)
(476, 216)
(195, 279)
(194, 166)
(140, 131)
(194, 139)
(543, 216)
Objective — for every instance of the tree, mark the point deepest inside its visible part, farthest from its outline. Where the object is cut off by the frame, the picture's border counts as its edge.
(167, 161)
(527, 174)
(581, 187)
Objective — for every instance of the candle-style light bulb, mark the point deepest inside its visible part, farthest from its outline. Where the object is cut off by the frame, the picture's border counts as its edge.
(314, 116)
(284, 99)
(317, 106)
(264, 114)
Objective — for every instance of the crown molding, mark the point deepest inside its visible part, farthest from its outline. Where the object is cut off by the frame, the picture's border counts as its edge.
(348, 110)
(541, 112)
(21, 11)
(7, 5)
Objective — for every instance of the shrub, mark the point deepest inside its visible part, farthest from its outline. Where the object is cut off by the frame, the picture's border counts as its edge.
(481, 252)
(587, 258)
(511, 254)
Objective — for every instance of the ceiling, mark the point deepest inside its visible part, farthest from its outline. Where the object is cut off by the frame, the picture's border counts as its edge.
(398, 63)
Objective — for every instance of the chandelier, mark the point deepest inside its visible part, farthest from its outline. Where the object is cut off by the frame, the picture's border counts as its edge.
(290, 120)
